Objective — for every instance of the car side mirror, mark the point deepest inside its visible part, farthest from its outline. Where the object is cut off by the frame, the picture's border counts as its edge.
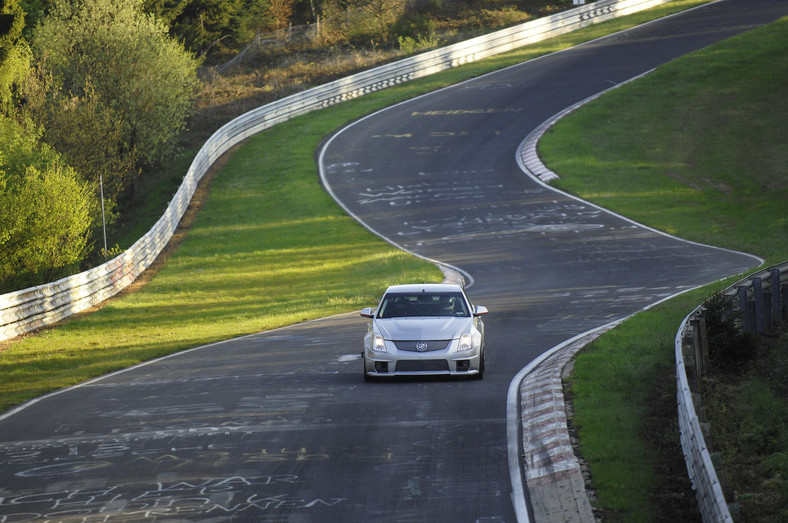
(480, 309)
(368, 312)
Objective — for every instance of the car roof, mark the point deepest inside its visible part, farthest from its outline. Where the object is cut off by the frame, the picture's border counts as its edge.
(425, 287)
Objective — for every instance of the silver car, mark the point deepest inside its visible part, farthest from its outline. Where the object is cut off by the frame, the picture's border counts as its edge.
(428, 329)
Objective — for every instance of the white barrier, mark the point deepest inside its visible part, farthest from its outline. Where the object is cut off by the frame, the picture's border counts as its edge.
(700, 468)
(711, 500)
(29, 309)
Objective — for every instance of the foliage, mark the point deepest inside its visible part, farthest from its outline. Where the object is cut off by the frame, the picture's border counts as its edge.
(415, 26)
(378, 15)
(12, 20)
(748, 411)
(198, 23)
(280, 12)
(14, 53)
(255, 18)
(85, 129)
(35, 10)
(409, 45)
(165, 10)
(728, 344)
(45, 210)
(104, 66)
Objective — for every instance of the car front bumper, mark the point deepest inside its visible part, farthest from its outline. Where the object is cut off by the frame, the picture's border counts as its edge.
(403, 363)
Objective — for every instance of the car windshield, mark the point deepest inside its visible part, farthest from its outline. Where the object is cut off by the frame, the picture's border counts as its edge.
(398, 305)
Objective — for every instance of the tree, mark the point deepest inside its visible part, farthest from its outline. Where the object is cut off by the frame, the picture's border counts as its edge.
(280, 11)
(34, 10)
(382, 12)
(165, 10)
(46, 210)
(14, 52)
(253, 19)
(87, 130)
(105, 66)
(203, 22)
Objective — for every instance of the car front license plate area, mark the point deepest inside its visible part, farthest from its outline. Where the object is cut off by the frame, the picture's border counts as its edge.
(422, 366)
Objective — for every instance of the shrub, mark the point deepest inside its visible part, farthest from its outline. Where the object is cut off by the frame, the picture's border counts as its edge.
(46, 210)
(105, 60)
(728, 344)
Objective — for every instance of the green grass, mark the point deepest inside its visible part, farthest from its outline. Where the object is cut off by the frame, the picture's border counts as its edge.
(698, 149)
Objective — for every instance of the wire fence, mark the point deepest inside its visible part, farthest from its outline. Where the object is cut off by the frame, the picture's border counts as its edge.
(273, 41)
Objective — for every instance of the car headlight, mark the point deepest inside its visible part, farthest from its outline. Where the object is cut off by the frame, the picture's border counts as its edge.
(465, 343)
(378, 344)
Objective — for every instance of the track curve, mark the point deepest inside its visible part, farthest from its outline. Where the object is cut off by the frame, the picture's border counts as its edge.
(252, 429)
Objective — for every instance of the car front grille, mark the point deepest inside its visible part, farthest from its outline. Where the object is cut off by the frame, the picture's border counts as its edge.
(422, 365)
(421, 345)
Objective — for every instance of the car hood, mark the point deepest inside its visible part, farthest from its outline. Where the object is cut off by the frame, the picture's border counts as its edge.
(416, 328)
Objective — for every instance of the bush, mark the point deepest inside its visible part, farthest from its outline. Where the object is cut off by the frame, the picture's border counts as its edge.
(106, 66)
(46, 210)
(728, 344)
(408, 45)
(14, 53)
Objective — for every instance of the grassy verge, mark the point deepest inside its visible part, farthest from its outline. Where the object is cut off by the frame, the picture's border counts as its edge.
(696, 149)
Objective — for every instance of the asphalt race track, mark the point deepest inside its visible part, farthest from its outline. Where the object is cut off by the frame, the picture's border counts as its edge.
(280, 426)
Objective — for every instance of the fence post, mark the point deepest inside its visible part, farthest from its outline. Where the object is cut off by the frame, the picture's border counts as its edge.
(743, 308)
(689, 352)
(703, 347)
(784, 299)
(757, 294)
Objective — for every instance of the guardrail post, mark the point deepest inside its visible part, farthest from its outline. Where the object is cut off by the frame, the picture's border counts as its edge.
(757, 292)
(776, 302)
(744, 308)
(700, 348)
(688, 344)
(784, 299)
(703, 348)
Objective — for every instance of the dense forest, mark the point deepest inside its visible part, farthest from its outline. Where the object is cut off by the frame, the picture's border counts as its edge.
(96, 95)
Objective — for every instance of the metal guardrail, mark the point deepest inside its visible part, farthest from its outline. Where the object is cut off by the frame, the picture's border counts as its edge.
(29, 309)
(761, 301)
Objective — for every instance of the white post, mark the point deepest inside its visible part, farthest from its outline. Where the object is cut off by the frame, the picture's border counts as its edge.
(103, 219)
